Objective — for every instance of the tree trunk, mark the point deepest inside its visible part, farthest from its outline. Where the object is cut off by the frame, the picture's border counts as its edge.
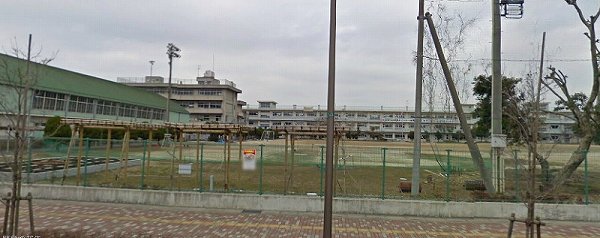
(577, 157)
(545, 165)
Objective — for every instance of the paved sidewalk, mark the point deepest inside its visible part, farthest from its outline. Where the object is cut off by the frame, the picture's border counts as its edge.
(155, 221)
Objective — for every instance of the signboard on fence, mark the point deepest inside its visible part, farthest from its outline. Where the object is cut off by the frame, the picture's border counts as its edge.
(249, 160)
(185, 169)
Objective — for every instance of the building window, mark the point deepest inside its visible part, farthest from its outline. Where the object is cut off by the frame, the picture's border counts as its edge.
(554, 126)
(210, 92)
(157, 90)
(81, 104)
(183, 91)
(106, 108)
(49, 101)
(209, 104)
(187, 104)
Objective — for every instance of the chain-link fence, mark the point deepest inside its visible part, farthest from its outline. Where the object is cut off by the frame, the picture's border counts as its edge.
(275, 168)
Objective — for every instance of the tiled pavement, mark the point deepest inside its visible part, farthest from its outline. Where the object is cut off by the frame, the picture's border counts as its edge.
(155, 221)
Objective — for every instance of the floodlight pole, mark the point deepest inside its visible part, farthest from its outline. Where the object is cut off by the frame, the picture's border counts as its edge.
(151, 64)
(171, 53)
(414, 189)
(328, 206)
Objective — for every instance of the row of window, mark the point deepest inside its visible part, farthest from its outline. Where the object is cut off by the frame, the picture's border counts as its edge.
(201, 104)
(45, 100)
(185, 91)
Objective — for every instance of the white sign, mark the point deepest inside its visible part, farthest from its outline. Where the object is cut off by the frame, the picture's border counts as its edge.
(249, 160)
(185, 169)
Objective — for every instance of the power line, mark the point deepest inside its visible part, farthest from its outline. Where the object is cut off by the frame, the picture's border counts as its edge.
(515, 60)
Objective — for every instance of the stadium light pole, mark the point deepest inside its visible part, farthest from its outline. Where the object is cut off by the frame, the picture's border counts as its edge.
(328, 206)
(172, 52)
(151, 64)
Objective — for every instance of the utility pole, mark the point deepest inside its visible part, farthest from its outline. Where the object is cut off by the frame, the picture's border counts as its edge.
(328, 206)
(414, 190)
(172, 52)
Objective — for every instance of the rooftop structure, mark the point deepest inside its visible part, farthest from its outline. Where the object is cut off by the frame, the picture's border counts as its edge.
(206, 99)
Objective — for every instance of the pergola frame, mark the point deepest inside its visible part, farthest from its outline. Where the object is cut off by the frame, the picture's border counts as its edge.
(78, 125)
(290, 139)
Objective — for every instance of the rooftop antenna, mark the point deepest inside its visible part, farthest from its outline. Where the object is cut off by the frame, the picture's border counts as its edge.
(151, 64)
(199, 70)
(213, 68)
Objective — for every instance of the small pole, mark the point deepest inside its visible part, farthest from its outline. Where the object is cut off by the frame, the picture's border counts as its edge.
(198, 160)
(448, 175)
(285, 170)
(211, 184)
(511, 224)
(202, 167)
(30, 200)
(321, 170)
(80, 151)
(149, 148)
(145, 143)
(260, 175)
(85, 162)
(538, 225)
(383, 176)
(517, 176)
(586, 180)
(29, 160)
(108, 146)
(6, 213)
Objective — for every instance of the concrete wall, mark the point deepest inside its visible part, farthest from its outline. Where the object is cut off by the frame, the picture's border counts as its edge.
(311, 203)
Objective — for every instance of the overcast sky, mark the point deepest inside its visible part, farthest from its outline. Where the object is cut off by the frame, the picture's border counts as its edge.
(277, 50)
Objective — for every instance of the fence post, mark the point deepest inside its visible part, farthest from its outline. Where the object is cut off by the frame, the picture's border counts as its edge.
(260, 175)
(29, 160)
(586, 180)
(145, 143)
(85, 162)
(201, 189)
(321, 171)
(517, 176)
(448, 175)
(383, 176)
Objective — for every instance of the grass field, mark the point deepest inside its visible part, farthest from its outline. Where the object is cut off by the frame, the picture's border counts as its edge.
(359, 171)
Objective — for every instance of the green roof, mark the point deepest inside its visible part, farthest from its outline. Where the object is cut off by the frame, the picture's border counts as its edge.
(64, 81)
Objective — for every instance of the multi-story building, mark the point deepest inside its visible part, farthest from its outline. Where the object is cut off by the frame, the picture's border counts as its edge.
(557, 126)
(390, 123)
(68, 94)
(208, 99)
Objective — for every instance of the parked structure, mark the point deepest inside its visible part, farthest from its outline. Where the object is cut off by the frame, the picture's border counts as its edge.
(388, 123)
(209, 99)
(59, 92)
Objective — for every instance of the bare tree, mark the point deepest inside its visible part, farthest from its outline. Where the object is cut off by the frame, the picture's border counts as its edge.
(452, 29)
(584, 109)
(17, 80)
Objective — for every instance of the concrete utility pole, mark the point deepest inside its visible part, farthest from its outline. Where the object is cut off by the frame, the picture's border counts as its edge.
(172, 52)
(414, 190)
(498, 139)
(328, 206)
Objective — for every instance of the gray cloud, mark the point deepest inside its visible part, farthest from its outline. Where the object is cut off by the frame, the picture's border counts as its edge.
(277, 50)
